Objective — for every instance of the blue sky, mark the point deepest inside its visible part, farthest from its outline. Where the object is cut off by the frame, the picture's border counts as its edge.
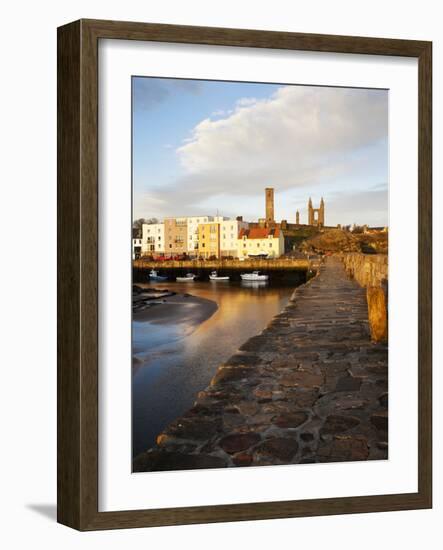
(205, 146)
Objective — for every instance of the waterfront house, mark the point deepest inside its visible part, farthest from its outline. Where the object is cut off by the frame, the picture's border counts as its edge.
(153, 239)
(261, 241)
(209, 240)
(193, 223)
(136, 248)
(229, 232)
(176, 236)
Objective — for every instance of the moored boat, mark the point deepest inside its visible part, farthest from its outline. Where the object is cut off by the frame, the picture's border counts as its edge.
(187, 278)
(254, 276)
(154, 276)
(215, 277)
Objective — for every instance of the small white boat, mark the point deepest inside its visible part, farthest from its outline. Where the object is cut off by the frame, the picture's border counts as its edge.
(187, 278)
(254, 276)
(214, 277)
(154, 276)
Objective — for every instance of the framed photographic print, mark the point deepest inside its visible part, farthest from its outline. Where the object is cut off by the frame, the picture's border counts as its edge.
(244, 274)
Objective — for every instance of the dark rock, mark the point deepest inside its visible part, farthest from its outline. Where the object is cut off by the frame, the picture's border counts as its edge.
(235, 443)
(264, 391)
(230, 374)
(302, 378)
(343, 448)
(191, 428)
(242, 459)
(290, 420)
(281, 448)
(380, 420)
(307, 436)
(243, 359)
(247, 408)
(348, 383)
(377, 370)
(335, 423)
(383, 400)
(231, 421)
(255, 343)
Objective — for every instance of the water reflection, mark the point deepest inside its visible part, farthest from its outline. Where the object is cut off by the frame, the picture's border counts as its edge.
(174, 364)
(254, 284)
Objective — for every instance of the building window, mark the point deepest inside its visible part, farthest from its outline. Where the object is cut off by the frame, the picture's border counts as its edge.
(270, 245)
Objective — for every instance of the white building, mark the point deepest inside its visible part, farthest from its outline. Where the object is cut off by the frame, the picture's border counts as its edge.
(229, 233)
(261, 241)
(136, 248)
(193, 222)
(153, 238)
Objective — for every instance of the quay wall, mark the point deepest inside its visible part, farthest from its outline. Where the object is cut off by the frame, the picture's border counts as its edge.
(250, 264)
(371, 272)
(285, 270)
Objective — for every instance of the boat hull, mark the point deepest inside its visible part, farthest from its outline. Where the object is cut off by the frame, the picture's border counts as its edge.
(257, 278)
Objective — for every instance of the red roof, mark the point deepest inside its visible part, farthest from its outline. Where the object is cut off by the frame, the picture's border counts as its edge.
(259, 233)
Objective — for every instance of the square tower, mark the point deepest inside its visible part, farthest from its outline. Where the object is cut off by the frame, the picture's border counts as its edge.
(269, 195)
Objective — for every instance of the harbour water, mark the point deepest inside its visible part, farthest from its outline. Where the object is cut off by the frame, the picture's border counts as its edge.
(176, 357)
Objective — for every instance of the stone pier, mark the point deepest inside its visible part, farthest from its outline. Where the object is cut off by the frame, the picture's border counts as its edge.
(312, 387)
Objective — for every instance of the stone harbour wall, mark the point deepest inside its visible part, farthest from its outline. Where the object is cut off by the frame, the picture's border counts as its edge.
(311, 387)
(367, 269)
(371, 272)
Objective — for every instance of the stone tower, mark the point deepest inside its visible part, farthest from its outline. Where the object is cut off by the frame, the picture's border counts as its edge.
(297, 217)
(316, 216)
(269, 194)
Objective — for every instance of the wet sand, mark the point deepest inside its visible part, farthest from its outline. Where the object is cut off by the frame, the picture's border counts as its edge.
(178, 309)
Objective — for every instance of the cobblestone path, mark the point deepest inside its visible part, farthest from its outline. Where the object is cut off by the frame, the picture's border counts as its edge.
(310, 388)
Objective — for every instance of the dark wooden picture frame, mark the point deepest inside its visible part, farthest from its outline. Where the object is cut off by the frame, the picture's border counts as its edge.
(77, 174)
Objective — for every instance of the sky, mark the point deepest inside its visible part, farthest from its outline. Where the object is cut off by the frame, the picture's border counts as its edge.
(206, 147)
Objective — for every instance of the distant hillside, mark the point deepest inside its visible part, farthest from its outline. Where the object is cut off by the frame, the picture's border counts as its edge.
(337, 240)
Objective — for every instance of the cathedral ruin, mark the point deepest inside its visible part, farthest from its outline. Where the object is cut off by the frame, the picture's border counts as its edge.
(316, 216)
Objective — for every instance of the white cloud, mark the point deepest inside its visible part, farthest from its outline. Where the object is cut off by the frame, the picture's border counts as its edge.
(302, 138)
(301, 135)
(246, 101)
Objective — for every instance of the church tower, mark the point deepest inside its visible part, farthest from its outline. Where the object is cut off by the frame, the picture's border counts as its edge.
(321, 213)
(297, 217)
(269, 197)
